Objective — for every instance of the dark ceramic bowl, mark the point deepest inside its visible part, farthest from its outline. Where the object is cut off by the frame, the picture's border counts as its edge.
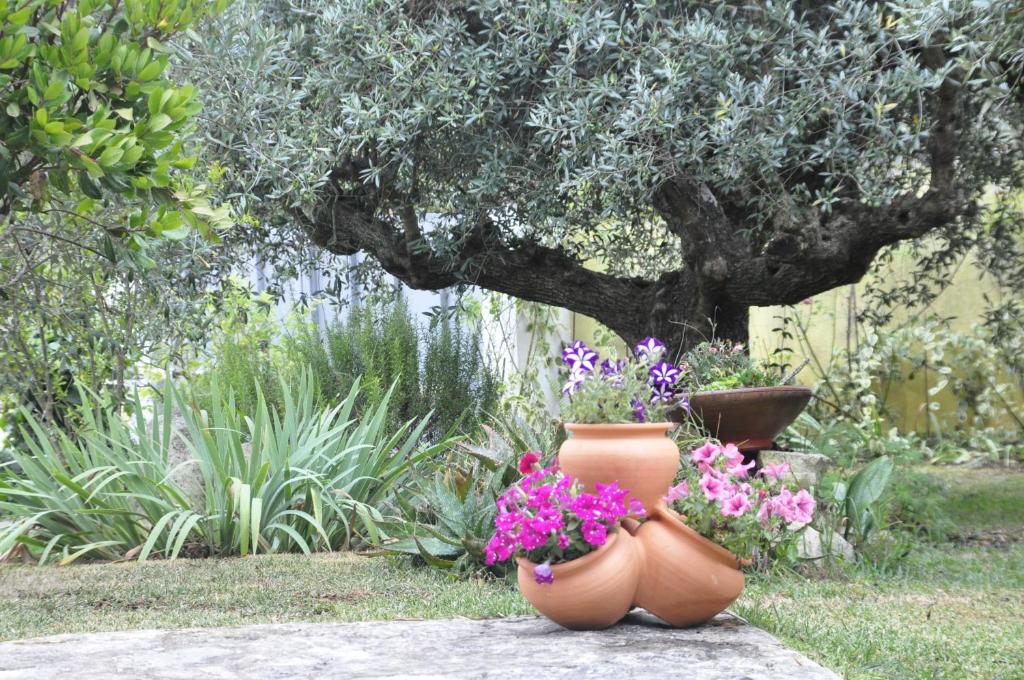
(750, 417)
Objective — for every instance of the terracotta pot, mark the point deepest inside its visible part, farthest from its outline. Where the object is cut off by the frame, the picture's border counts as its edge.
(750, 417)
(639, 456)
(589, 593)
(686, 578)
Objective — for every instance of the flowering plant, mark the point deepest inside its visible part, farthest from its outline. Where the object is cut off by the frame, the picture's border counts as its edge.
(547, 518)
(612, 390)
(723, 365)
(749, 515)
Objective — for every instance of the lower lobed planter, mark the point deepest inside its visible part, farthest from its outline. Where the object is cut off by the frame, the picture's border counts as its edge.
(686, 579)
(661, 565)
(589, 593)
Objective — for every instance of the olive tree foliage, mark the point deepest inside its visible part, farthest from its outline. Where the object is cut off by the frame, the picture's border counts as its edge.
(660, 166)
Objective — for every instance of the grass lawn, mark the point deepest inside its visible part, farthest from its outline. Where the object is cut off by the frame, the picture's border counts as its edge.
(949, 611)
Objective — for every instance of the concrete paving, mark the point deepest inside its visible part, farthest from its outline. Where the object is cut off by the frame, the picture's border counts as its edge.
(520, 647)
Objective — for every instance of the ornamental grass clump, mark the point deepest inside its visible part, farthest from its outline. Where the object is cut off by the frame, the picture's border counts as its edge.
(548, 519)
(753, 516)
(611, 390)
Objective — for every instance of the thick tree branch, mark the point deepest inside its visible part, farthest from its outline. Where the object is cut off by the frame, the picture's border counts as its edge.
(523, 269)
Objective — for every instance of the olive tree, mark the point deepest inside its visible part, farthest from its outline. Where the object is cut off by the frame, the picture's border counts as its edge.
(659, 166)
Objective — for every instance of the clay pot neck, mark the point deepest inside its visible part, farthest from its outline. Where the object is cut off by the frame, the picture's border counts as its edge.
(618, 430)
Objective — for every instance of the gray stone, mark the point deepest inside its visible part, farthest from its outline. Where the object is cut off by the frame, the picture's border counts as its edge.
(184, 468)
(521, 647)
(806, 469)
(811, 545)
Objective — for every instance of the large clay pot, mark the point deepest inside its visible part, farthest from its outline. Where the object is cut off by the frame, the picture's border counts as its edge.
(589, 593)
(686, 578)
(750, 417)
(639, 456)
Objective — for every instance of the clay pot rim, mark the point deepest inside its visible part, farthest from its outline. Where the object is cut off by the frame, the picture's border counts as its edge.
(772, 389)
(565, 568)
(675, 521)
(620, 428)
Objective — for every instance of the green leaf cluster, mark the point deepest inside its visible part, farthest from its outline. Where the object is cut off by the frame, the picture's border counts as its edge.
(89, 110)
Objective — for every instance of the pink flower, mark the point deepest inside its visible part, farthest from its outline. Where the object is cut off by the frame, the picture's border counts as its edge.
(736, 506)
(705, 454)
(775, 471)
(712, 487)
(805, 505)
(542, 574)
(680, 490)
(764, 513)
(784, 505)
(594, 533)
(636, 508)
(563, 541)
(529, 459)
(738, 469)
(807, 301)
(732, 454)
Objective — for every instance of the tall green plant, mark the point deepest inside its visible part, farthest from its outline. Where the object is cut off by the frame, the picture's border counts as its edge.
(304, 479)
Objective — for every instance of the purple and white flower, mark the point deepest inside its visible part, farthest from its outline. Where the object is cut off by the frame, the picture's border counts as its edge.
(649, 347)
(579, 357)
(662, 394)
(639, 411)
(610, 368)
(664, 373)
(576, 378)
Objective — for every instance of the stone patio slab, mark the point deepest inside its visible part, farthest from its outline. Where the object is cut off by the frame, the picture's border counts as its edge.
(520, 647)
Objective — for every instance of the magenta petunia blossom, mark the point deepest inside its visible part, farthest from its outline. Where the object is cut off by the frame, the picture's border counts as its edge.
(594, 533)
(774, 470)
(739, 468)
(680, 490)
(713, 487)
(736, 505)
(805, 505)
(705, 454)
(732, 454)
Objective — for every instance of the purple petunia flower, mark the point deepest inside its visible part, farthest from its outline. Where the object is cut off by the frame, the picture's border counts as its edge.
(610, 368)
(639, 411)
(662, 394)
(542, 574)
(664, 373)
(649, 347)
(684, 404)
(579, 357)
(576, 378)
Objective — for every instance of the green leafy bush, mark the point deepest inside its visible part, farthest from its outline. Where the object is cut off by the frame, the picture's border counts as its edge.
(304, 479)
(450, 515)
(437, 369)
